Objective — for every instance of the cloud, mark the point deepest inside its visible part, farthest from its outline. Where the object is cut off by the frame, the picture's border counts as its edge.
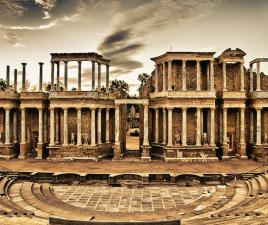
(13, 40)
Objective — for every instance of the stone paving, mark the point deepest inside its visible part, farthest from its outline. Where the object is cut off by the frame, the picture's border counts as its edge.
(130, 199)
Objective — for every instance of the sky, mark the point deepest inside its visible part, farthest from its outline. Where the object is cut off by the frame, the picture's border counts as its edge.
(128, 32)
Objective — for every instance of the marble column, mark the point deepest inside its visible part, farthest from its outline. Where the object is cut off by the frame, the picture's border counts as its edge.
(258, 127)
(23, 126)
(8, 77)
(242, 125)
(99, 128)
(117, 125)
(52, 75)
(164, 126)
(258, 77)
(107, 77)
(7, 125)
(57, 128)
(198, 126)
(58, 75)
(52, 126)
(65, 75)
(79, 75)
(23, 76)
(93, 76)
(156, 125)
(146, 125)
(45, 126)
(198, 76)
(212, 76)
(212, 126)
(242, 77)
(251, 78)
(40, 126)
(65, 127)
(164, 77)
(224, 76)
(79, 126)
(15, 79)
(99, 76)
(169, 76)
(184, 86)
(156, 77)
(107, 136)
(93, 127)
(251, 122)
(41, 76)
(170, 127)
(15, 127)
(224, 133)
(184, 126)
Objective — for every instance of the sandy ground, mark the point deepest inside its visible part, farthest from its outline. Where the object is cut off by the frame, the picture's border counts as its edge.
(22, 221)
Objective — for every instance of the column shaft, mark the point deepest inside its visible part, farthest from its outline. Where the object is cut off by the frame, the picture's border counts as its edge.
(224, 76)
(93, 128)
(65, 127)
(251, 127)
(224, 133)
(198, 126)
(212, 126)
(107, 77)
(156, 126)
(170, 127)
(52, 126)
(198, 76)
(242, 77)
(8, 77)
(156, 78)
(107, 136)
(52, 75)
(41, 76)
(58, 76)
(211, 75)
(15, 127)
(79, 126)
(23, 126)
(117, 127)
(23, 76)
(258, 77)
(184, 126)
(45, 126)
(164, 77)
(242, 125)
(258, 127)
(15, 79)
(93, 75)
(40, 126)
(79, 75)
(184, 87)
(7, 126)
(99, 76)
(251, 78)
(169, 76)
(57, 123)
(65, 75)
(164, 126)
(146, 124)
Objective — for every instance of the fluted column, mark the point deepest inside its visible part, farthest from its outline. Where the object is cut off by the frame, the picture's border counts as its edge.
(7, 125)
(212, 126)
(164, 77)
(99, 76)
(93, 128)
(93, 76)
(164, 126)
(224, 76)
(23, 126)
(169, 76)
(99, 128)
(79, 126)
(184, 126)
(198, 76)
(258, 127)
(146, 125)
(15, 79)
(57, 127)
(258, 77)
(107, 77)
(242, 125)
(45, 126)
(79, 75)
(184, 75)
(52, 75)
(58, 75)
(40, 126)
(170, 127)
(65, 75)
(65, 127)
(156, 125)
(156, 77)
(23, 76)
(198, 126)
(15, 127)
(117, 127)
(224, 133)
(211, 75)
(52, 126)
(251, 122)
(242, 77)
(8, 77)
(107, 136)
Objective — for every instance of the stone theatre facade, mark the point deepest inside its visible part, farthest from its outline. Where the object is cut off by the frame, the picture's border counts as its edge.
(195, 107)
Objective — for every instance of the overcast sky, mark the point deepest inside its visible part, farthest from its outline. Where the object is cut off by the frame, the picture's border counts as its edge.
(129, 32)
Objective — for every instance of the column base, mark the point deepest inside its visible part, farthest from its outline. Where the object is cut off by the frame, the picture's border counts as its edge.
(242, 150)
(117, 151)
(23, 151)
(243, 157)
(40, 147)
(225, 157)
(146, 152)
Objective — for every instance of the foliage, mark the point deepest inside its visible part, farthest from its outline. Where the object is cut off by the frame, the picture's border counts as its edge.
(143, 78)
(119, 85)
(47, 86)
(3, 85)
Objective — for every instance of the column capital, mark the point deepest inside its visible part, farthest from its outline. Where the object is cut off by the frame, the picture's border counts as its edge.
(23, 64)
(41, 63)
(8, 108)
(65, 108)
(79, 61)
(65, 62)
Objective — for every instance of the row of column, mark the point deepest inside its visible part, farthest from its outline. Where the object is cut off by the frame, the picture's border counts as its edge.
(79, 75)
(242, 76)
(258, 126)
(169, 121)
(15, 83)
(79, 126)
(184, 72)
(7, 140)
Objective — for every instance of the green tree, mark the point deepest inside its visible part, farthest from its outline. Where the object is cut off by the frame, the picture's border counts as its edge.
(3, 85)
(119, 85)
(143, 78)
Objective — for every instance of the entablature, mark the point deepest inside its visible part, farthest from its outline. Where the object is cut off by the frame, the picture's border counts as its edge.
(184, 94)
(81, 95)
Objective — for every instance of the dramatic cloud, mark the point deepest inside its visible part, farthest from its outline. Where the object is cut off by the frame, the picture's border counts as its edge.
(13, 40)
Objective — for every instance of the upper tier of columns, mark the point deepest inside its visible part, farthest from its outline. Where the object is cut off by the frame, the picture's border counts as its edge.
(79, 75)
(167, 81)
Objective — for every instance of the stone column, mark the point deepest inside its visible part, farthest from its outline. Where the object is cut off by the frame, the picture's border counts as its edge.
(15, 79)
(242, 125)
(169, 76)
(242, 77)
(57, 129)
(258, 127)
(99, 128)
(198, 126)
(58, 75)
(99, 76)
(170, 127)
(15, 127)
(23, 76)
(184, 86)
(146, 124)
(23, 126)
(156, 77)
(8, 77)
(164, 77)
(65, 127)
(107, 136)
(52, 127)
(156, 125)
(198, 76)
(224, 76)
(41, 76)
(79, 75)
(52, 75)
(107, 77)
(251, 122)
(93, 128)
(212, 126)
(258, 77)
(117, 127)
(164, 126)
(251, 78)
(40, 126)
(212, 76)
(184, 126)
(224, 134)
(45, 126)
(65, 75)
(7, 126)
(79, 126)
(93, 76)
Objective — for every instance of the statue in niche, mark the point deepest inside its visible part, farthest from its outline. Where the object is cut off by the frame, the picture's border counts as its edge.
(205, 139)
(265, 139)
(177, 138)
(72, 138)
(85, 139)
(132, 113)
